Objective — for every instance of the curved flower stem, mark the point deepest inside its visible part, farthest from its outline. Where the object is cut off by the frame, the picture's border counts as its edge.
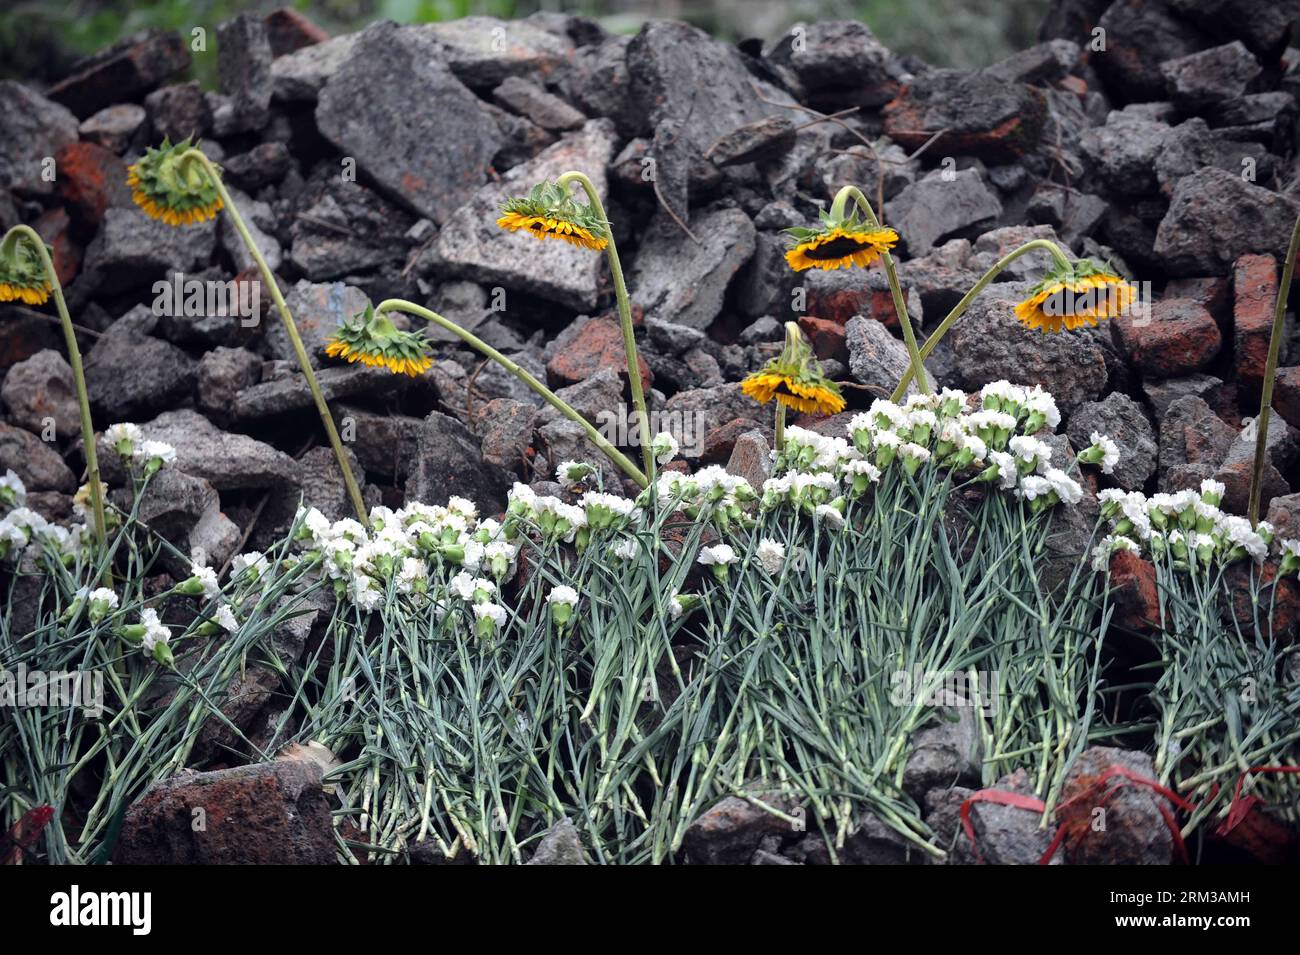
(550, 397)
(960, 308)
(837, 210)
(791, 340)
(268, 277)
(624, 315)
(1270, 373)
(21, 233)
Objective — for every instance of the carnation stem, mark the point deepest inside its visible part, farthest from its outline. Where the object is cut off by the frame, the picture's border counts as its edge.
(624, 315)
(960, 308)
(1270, 374)
(837, 211)
(9, 246)
(268, 277)
(550, 397)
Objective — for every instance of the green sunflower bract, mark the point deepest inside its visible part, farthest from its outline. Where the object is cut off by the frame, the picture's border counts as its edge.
(376, 341)
(171, 191)
(550, 211)
(22, 275)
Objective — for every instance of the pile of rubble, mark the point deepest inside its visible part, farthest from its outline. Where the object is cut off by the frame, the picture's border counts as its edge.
(1158, 134)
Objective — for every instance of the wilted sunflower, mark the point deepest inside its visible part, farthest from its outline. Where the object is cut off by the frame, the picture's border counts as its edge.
(374, 340)
(550, 211)
(172, 192)
(1069, 297)
(22, 275)
(838, 243)
(794, 378)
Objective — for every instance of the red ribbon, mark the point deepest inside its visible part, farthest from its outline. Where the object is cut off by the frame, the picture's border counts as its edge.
(1004, 798)
(1240, 806)
(25, 832)
(1238, 809)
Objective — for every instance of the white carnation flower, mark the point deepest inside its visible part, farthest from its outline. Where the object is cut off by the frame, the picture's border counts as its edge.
(1102, 552)
(1036, 455)
(1066, 487)
(771, 555)
(562, 594)
(208, 578)
(154, 631)
(664, 447)
(124, 438)
(465, 586)
(462, 506)
(830, 515)
(149, 451)
(1041, 403)
(717, 555)
(490, 612)
(12, 490)
(225, 618)
(254, 562)
(1006, 466)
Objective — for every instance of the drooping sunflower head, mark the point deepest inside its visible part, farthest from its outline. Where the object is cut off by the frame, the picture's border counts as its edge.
(174, 192)
(550, 211)
(1070, 297)
(795, 379)
(838, 242)
(22, 273)
(374, 340)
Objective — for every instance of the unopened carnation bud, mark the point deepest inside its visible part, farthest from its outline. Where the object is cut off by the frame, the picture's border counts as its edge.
(162, 652)
(191, 587)
(132, 632)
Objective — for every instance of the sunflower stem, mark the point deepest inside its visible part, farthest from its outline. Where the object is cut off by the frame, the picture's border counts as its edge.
(268, 277)
(21, 233)
(960, 308)
(900, 307)
(550, 397)
(1270, 373)
(624, 314)
(791, 340)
